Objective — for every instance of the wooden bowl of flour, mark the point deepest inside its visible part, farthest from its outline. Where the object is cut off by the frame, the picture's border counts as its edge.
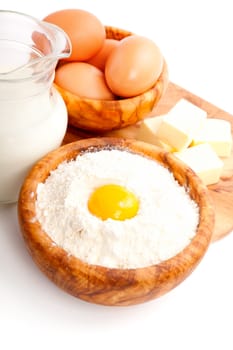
(106, 285)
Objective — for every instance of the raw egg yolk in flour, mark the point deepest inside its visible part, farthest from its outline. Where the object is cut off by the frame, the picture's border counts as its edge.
(113, 202)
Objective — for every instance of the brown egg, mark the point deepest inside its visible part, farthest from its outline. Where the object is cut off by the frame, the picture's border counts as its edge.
(133, 66)
(83, 79)
(100, 58)
(86, 32)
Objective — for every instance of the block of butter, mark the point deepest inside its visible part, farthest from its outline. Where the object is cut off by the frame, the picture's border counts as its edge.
(217, 133)
(148, 132)
(203, 160)
(180, 124)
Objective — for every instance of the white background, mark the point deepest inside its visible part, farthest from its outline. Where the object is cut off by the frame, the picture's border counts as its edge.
(196, 37)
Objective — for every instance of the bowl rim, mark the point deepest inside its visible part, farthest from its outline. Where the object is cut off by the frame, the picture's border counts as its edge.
(162, 79)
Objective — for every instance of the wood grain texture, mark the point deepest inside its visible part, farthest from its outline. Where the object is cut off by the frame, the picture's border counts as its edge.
(101, 115)
(222, 192)
(103, 285)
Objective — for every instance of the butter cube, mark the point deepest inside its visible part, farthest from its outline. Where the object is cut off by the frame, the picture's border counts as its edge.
(147, 132)
(180, 124)
(203, 160)
(217, 133)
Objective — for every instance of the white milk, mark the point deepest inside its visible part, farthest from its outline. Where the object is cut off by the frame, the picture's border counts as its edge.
(33, 121)
(33, 116)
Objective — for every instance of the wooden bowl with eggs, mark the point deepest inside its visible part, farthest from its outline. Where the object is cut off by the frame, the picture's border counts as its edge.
(101, 115)
(99, 283)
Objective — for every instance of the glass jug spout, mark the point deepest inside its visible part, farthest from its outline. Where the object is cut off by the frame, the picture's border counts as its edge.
(29, 46)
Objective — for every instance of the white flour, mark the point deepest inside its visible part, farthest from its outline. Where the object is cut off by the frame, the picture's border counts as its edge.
(165, 223)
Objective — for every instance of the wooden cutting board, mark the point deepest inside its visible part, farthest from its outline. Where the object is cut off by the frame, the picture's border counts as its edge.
(221, 193)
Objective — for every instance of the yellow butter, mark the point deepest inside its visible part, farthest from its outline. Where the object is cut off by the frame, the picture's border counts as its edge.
(203, 160)
(217, 133)
(180, 124)
(148, 130)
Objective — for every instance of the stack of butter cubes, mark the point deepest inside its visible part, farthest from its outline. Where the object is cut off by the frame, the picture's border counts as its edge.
(198, 141)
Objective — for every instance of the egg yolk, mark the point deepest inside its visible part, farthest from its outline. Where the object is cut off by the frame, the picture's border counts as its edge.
(113, 202)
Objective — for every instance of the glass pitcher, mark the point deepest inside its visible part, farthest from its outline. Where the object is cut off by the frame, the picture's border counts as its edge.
(33, 116)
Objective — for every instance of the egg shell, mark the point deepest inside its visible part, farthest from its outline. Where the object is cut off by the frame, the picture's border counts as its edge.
(84, 80)
(100, 58)
(133, 66)
(85, 30)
